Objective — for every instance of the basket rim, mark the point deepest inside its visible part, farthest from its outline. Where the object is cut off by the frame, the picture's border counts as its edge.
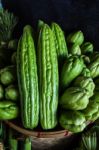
(39, 134)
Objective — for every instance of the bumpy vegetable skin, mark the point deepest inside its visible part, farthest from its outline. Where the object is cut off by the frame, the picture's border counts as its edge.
(28, 79)
(74, 98)
(94, 66)
(71, 69)
(76, 37)
(75, 49)
(73, 121)
(85, 83)
(92, 111)
(87, 47)
(86, 72)
(48, 78)
(60, 42)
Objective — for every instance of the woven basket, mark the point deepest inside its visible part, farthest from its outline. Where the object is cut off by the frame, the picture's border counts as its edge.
(48, 140)
(45, 140)
(39, 134)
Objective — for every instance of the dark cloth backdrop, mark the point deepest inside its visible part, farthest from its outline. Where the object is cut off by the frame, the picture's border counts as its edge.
(70, 14)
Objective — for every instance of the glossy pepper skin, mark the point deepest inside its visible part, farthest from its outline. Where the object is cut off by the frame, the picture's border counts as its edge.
(74, 98)
(8, 110)
(71, 69)
(73, 121)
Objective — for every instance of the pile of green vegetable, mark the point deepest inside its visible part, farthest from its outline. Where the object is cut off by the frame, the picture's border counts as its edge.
(56, 78)
(9, 93)
(57, 75)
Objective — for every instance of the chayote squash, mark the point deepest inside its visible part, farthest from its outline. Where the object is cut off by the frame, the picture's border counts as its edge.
(92, 111)
(76, 37)
(87, 47)
(85, 83)
(74, 98)
(75, 49)
(94, 66)
(86, 72)
(73, 121)
(71, 69)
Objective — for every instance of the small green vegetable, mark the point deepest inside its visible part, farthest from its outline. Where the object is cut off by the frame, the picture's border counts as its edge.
(8, 110)
(92, 111)
(85, 83)
(71, 69)
(12, 93)
(94, 66)
(86, 72)
(27, 144)
(76, 38)
(75, 49)
(74, 98)
(87, 47)
(73, 121)
(8, 75)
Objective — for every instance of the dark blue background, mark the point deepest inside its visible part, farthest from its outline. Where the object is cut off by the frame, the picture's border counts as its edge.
(70, 14)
